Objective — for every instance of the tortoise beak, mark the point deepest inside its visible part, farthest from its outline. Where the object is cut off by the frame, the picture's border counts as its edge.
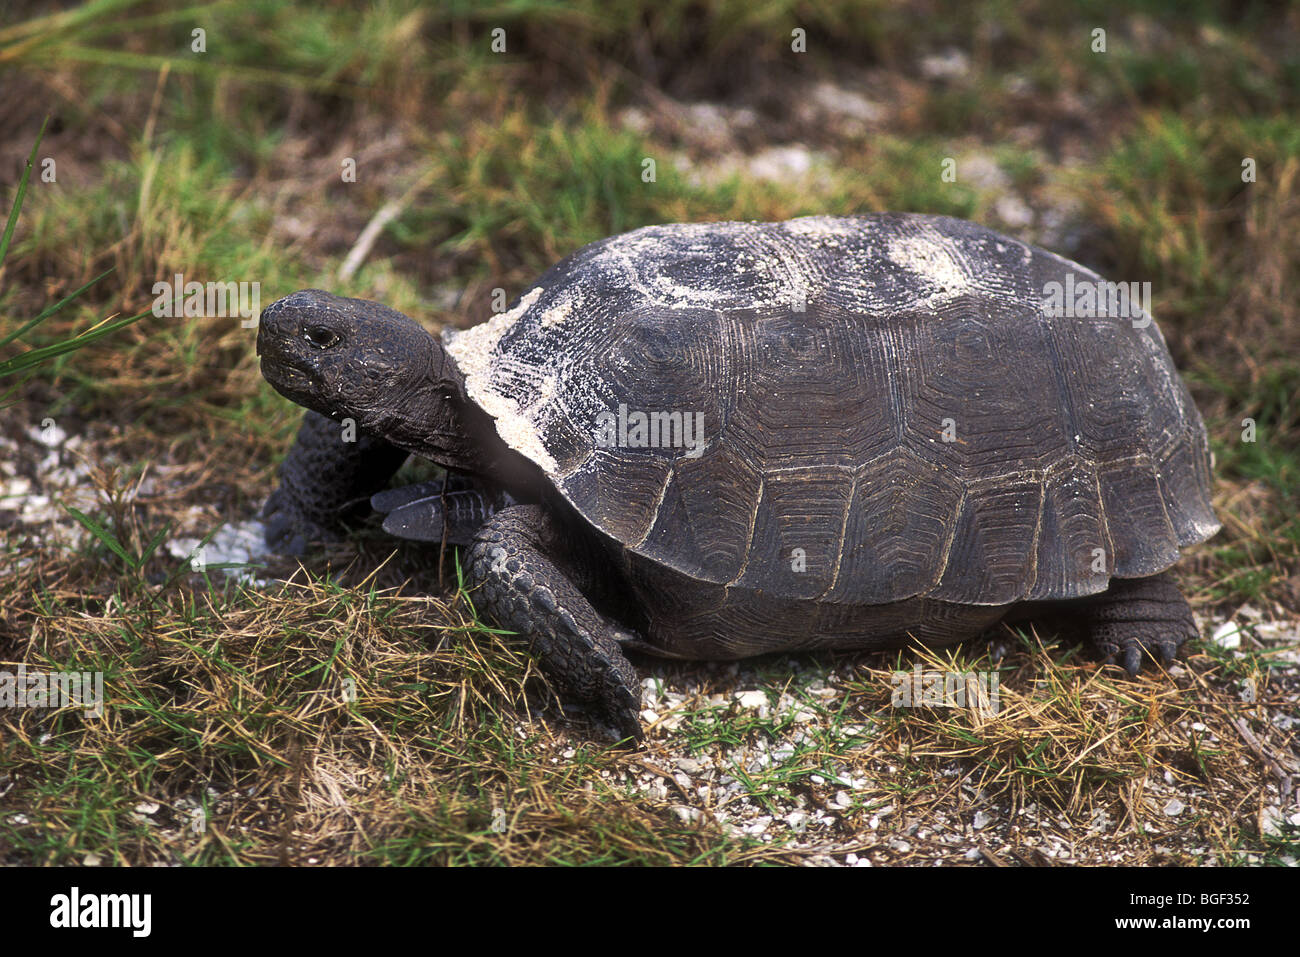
(281, 364)
(270, 326)
(279, 321)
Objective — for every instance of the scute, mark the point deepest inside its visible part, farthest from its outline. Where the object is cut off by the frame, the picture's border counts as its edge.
(798, 533)
(993, 556)
(887, 412)
(706, 516)
(972, 372)
(1132, 500)
(1075, 554)
(898, 530)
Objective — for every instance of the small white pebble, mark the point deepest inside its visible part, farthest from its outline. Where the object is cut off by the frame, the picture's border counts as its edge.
(1227, 635)
(687, 815)
(751, 699)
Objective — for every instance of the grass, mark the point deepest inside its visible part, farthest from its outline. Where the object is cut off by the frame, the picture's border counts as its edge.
(357, 713)
(29, 360)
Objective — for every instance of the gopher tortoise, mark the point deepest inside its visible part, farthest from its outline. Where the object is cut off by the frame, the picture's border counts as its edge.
(717, 440)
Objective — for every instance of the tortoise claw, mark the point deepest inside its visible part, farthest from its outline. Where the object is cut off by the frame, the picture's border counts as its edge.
(1167, 650)
(627, 722)
(1132, 659)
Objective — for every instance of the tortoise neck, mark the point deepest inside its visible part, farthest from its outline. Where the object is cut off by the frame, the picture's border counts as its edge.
(437, 421)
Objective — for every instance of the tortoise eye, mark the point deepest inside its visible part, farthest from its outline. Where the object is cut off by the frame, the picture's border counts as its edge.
(320, 336)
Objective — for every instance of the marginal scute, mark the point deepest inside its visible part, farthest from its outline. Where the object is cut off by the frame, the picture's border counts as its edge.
(1132, 500)
(1075, 554)
(992, 560)
(798, 533)
(1184, 473)
(704, 521)
(898, 531)
(623, 487)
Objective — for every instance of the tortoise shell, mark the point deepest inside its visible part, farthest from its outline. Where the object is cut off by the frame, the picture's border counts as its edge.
(852, 410)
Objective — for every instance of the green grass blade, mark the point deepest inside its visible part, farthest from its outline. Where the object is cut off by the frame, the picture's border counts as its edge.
(154, 542)
(36, 356)
(152, 63)
(51, 310)
(104, 535)
(22, 192)
(67, 21)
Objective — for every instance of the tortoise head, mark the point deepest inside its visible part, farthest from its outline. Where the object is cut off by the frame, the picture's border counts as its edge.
(351, 358)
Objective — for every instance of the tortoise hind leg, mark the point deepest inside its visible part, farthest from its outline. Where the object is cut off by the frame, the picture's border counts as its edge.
(1139, 617)
(526, 576)
(323, 481)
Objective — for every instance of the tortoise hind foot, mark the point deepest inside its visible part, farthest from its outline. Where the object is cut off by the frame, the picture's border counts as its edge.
(518, 563)
(1139, 618)
(324, 480)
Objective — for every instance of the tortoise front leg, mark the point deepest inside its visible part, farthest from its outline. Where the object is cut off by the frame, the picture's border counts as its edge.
(525, 577)
(1139, 617)
(324, 481)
